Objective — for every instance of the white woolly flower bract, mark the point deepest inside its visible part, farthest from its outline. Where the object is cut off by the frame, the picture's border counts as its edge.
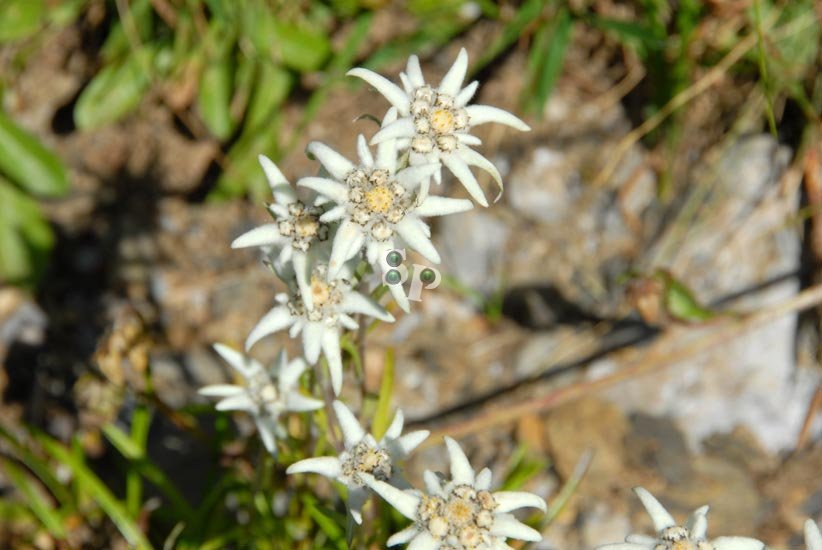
(459, 514)
(363, 454)
(435, 122)
(333, 303)
(670, 536)
(813, 538)
(267, 393)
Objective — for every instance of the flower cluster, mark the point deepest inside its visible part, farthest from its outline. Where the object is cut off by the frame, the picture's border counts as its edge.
(329, 232)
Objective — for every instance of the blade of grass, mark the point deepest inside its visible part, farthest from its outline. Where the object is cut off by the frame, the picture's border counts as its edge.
(140, 464)
(553, 57)
(39, 505)
(101, 494)
(140, 421)
(40, 468)
(512, 32)
(381, 416)
(763, 67)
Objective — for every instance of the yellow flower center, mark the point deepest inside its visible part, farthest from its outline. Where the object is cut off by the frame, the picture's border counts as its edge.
(307, 226)
(442, 121)
(460, 511)
(379, 199)
(320, 291)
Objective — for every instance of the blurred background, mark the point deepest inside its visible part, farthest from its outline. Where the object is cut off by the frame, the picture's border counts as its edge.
(639, 307)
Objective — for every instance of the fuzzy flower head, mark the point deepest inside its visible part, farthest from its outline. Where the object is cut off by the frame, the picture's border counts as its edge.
(267, 394)
(333, 303)
(363, 455)
(671, 536)
(296, 230)
(296, 226)
(435, 122)
(461, 513)
(375, 203)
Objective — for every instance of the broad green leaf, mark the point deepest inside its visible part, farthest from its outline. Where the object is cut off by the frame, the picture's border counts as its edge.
(38, 503)
(381, 417)
(217, 82)
(300, 48)
(101, 494)
(114, 92)
(28, 164)
(15, 264)
(25, 236)
(270, 90)
(20, 18)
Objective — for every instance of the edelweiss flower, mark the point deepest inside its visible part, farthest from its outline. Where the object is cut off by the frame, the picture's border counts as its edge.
(266, 395)
(461, 513)
(375, 202)
(813, 538)
(671, 536)
(363, 454)
(333, 301)
(436, 122)
(296, 228)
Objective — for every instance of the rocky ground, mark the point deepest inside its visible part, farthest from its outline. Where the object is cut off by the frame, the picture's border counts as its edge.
(142, 271)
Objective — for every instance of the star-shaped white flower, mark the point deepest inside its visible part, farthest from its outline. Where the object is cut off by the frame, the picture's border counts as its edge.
(670, 536)
(266, 395)
(363, 454)
(334, 301)
(813, 538)
(435, 123)
(461, 513)
(296, 229)
(375, 202)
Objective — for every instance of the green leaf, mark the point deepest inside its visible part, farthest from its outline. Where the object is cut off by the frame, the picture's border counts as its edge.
(214, 97)
(547, 58)
(299, 48)
(20, 18)
(270, 90)
(243, 172)
(134, 452)
(381, 416)
(25, 236)
(680, 301)
(28, 164)
(38, 503)
(92, 485)
(15, 265)
(114, 92)
(66, 12)
(39, 466)
(513, 30)
(329, 522)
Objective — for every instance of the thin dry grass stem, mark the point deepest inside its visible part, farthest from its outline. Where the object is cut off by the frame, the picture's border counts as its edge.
(672, 347)
(814, 406)
(713, 76)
